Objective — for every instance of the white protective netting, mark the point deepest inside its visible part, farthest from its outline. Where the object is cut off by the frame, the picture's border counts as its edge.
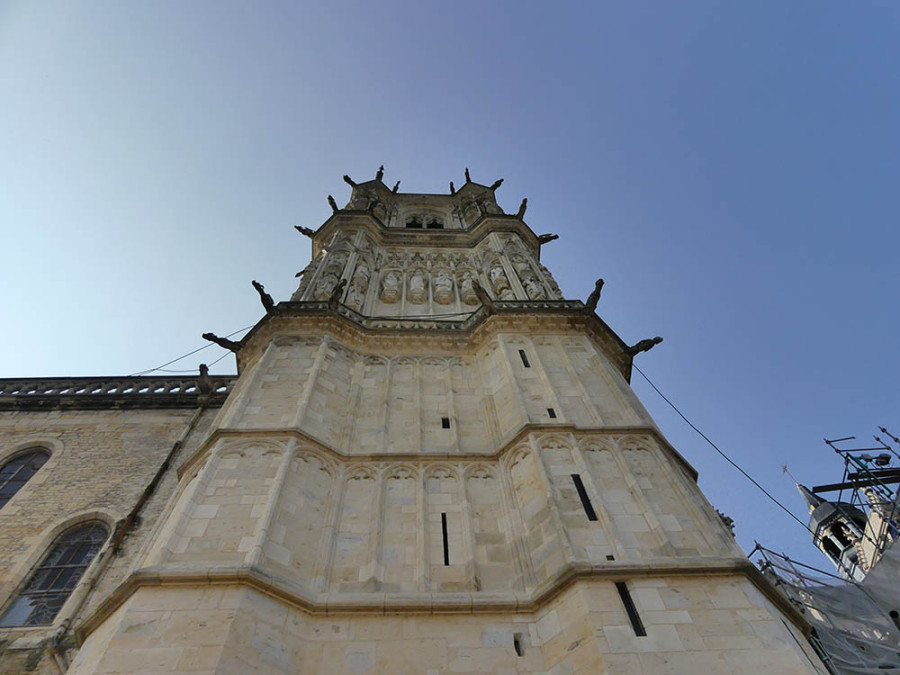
(856, 626)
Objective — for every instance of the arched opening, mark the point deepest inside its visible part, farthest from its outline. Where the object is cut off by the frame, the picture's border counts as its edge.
(54, 579)
(19, 470)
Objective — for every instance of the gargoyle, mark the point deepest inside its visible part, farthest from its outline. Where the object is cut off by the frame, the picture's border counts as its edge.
(643, 346)
(264, 297)
(594, 297)
(231, 345)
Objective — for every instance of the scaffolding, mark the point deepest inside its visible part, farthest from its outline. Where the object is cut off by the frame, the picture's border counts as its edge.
(855, 628)
(855, 618)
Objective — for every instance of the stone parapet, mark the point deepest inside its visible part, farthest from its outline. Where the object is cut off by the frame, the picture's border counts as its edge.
(92, 393)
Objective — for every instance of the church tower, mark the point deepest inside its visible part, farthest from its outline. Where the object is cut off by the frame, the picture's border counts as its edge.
(432, 462)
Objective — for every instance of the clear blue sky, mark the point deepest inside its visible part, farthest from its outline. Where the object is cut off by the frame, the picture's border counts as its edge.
(730, 169)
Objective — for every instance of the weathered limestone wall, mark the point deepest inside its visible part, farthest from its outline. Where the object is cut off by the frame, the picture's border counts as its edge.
(100, 463)
(360, 404)
(715, 626)
(325, 526)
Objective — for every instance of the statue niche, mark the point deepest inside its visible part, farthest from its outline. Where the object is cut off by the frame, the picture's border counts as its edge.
(466, 281)
(331, 274)
(417, 291)
(532, 285)
(500, 282)
(442, 285)
(390, 287)
(470, 211)
(530, 281)
(359, 283)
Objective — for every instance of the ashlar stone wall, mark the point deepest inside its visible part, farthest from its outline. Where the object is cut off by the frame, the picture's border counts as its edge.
(359, 403)
(326, 527)
(711, 625)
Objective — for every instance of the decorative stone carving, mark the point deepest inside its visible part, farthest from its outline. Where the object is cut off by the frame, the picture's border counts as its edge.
(466, 280)
(554, 287)
(470, 211)
(532, 284)
(362, 200)
(401, 473)
(356, 296)
(417, 293)
(390, 287)
(499, 281)
(325, 285)
(307, 275)
(331, 274)
(442, 284)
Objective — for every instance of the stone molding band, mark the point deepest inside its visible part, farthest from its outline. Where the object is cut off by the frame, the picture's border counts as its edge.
(427, 603)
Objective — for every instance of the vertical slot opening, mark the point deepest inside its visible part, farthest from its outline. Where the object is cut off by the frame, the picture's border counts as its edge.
(446, 542)
(630, 609)
(524, 358)
(517, 644)
(552, 413)
(585, 500)
(445, 423)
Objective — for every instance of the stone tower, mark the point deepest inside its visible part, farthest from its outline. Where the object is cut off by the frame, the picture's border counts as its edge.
(432, 462)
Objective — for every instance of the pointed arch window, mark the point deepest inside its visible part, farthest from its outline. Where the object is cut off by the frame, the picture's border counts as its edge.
(18, 470)
(51, 584)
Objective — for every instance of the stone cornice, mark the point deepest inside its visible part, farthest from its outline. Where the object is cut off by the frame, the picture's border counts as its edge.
(370, 603)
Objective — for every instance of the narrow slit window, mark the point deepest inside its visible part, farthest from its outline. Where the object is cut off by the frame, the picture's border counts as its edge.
(552, 413)
(583, 495)
(445, 423)
(524, 358)
(630, 609)
(446, 541)
(517, 644)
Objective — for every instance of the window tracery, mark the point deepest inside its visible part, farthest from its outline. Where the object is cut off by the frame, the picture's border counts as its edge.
(54, 579)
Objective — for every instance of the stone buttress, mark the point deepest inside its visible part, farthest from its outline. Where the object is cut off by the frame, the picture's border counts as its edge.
(433, 462)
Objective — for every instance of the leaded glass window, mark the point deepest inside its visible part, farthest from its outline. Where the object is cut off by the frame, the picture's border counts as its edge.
(16, 472)
(56, 577)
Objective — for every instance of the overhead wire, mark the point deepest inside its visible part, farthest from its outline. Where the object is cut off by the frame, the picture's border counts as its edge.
(190, 353)
(723, 454)
(162, 368)
(740, 469)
